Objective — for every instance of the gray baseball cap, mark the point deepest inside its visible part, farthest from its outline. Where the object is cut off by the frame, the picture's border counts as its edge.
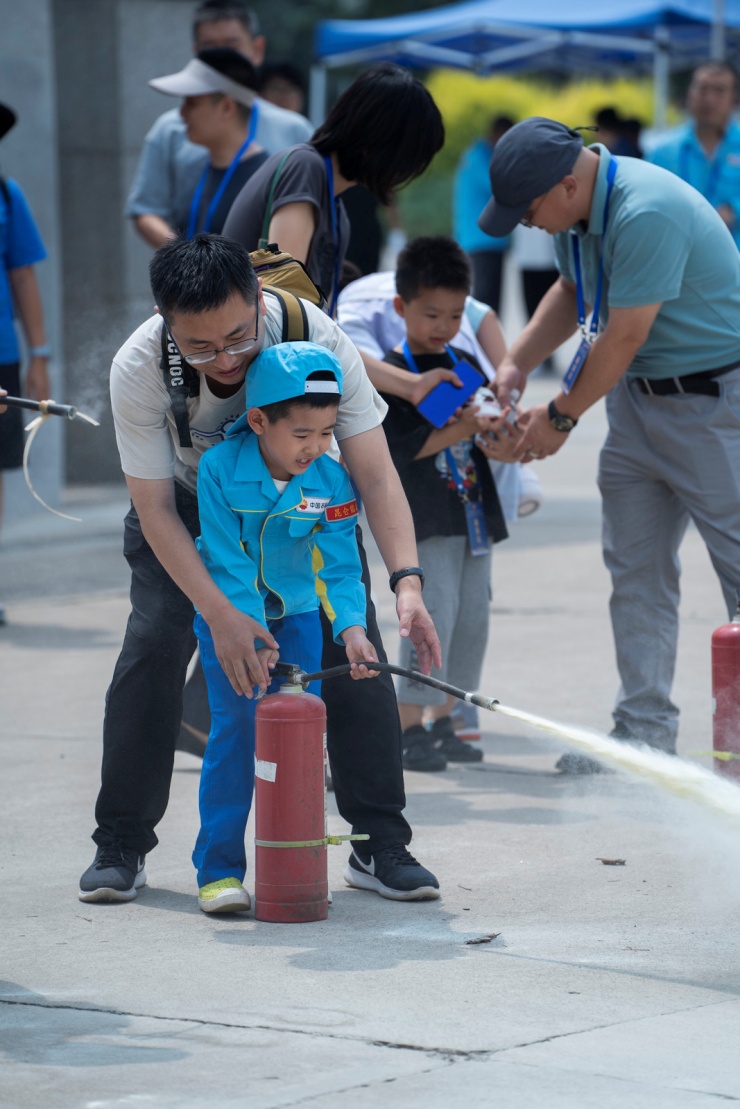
(527, 161)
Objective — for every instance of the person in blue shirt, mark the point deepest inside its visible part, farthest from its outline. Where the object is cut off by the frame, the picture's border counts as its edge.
(278, 538)
(221, 113)
(705, 152)
(170, 165)
(21, 249)
(470, 194)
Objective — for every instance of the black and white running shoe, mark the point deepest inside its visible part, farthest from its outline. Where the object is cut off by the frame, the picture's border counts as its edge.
(115, 875)
(392, 872)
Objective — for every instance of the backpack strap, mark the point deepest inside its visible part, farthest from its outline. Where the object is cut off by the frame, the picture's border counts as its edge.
(295, 320)
(5, 192)
(271, 197)
(181, 382)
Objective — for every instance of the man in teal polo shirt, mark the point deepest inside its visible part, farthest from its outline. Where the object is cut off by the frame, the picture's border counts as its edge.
(665, 346)
(706, 151)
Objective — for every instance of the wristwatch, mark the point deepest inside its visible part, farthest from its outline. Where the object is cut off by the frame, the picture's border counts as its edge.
(405, 573)
(558, 421)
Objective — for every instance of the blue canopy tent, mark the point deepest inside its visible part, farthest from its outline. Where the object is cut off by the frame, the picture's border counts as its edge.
(488, 36)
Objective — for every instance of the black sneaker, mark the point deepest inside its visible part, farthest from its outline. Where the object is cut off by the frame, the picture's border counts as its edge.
(116, 875)
(392, 872)
(453, 749)
(419, 751)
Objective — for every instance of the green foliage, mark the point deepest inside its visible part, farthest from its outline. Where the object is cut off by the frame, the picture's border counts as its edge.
(469, 103)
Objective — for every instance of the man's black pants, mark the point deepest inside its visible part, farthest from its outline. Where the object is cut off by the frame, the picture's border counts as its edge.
(144, 709)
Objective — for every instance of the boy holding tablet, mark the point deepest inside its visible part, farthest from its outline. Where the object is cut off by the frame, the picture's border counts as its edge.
(445, 474)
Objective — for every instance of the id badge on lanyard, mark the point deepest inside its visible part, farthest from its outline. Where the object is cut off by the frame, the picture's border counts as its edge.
(476, 522)
(588, 335)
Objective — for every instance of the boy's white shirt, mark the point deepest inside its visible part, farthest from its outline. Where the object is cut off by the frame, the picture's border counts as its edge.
(366, 314)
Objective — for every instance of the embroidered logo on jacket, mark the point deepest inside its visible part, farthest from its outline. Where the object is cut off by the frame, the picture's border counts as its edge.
(313, 504)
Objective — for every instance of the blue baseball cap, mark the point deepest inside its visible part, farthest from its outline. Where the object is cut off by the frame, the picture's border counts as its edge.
(282, 372)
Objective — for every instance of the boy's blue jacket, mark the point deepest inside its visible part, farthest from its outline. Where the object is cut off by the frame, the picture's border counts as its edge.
(276, 555)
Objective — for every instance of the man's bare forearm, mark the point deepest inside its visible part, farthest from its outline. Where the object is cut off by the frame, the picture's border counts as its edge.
(554, 321)
(154, 229)
(389, 379)
(386, 507)
(173, 545)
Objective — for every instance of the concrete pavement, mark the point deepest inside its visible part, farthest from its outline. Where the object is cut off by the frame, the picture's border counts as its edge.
(590, 995)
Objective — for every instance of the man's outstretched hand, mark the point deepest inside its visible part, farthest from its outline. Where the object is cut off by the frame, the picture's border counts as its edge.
(415, 623)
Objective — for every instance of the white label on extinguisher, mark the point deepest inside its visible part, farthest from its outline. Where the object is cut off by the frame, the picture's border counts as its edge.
(714, 706)
(267, 771)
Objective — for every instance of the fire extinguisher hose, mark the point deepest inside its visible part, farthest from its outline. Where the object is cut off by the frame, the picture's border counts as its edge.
(299, 677)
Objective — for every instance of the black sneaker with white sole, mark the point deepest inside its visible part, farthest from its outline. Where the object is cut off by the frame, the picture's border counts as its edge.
(453, 749)
(115, 875)
(392, 872)
(418, 751)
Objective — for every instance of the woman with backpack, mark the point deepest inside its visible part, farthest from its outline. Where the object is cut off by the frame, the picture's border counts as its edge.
(382, 133)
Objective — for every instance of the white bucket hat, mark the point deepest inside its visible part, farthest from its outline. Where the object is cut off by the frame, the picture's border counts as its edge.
(199, 79)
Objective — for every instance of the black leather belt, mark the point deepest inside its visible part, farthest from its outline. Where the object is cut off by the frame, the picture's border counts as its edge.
(703, 383)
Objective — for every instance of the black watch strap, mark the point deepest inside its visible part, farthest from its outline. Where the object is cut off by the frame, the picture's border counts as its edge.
(408, 571)
(558, 420)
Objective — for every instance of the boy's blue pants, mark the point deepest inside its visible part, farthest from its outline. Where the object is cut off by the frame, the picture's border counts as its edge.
(227, 777)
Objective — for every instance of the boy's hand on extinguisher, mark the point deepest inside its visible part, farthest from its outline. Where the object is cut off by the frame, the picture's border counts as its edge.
(359, 650)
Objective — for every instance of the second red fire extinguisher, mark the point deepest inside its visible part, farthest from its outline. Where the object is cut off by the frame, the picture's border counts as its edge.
(726, 697)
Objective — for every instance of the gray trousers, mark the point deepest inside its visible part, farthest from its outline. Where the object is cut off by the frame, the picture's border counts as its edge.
(665, 460)
(457, 593)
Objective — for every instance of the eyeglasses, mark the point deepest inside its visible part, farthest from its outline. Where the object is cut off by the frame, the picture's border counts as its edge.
(232, 349)
(526, 220)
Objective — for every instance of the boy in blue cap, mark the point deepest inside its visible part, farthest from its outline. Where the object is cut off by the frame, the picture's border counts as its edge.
(278, 537)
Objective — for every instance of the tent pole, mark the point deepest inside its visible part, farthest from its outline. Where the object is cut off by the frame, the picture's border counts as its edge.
(317, 94)
(661, 72)
(717, 50)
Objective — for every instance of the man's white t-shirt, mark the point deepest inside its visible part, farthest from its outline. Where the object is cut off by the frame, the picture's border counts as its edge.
(146, 433)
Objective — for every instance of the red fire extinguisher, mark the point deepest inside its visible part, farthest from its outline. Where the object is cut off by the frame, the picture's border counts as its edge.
(726, 697)
(291, 882)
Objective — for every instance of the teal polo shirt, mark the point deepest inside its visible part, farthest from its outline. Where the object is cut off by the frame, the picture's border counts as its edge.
(663, 244)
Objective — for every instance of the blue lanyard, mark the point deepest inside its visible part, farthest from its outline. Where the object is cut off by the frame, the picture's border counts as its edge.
(411, 361)
(336, 233)
(580, 300)
(712, 179)
(451, 464)
(198, 194)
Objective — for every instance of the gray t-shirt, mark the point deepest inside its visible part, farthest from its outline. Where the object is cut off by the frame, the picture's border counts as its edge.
(170, 166)
(146, 434)
(302, 179)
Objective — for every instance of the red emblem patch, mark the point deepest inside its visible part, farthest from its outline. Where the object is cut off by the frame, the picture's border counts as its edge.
(341, 511)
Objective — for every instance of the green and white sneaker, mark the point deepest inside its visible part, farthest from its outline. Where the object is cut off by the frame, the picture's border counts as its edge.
(225, 896)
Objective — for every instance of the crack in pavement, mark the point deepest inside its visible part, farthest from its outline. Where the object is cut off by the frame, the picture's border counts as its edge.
(446, 1052)
(446, 1055)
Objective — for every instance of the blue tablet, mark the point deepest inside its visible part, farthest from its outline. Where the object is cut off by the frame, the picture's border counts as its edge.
(445, 398)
